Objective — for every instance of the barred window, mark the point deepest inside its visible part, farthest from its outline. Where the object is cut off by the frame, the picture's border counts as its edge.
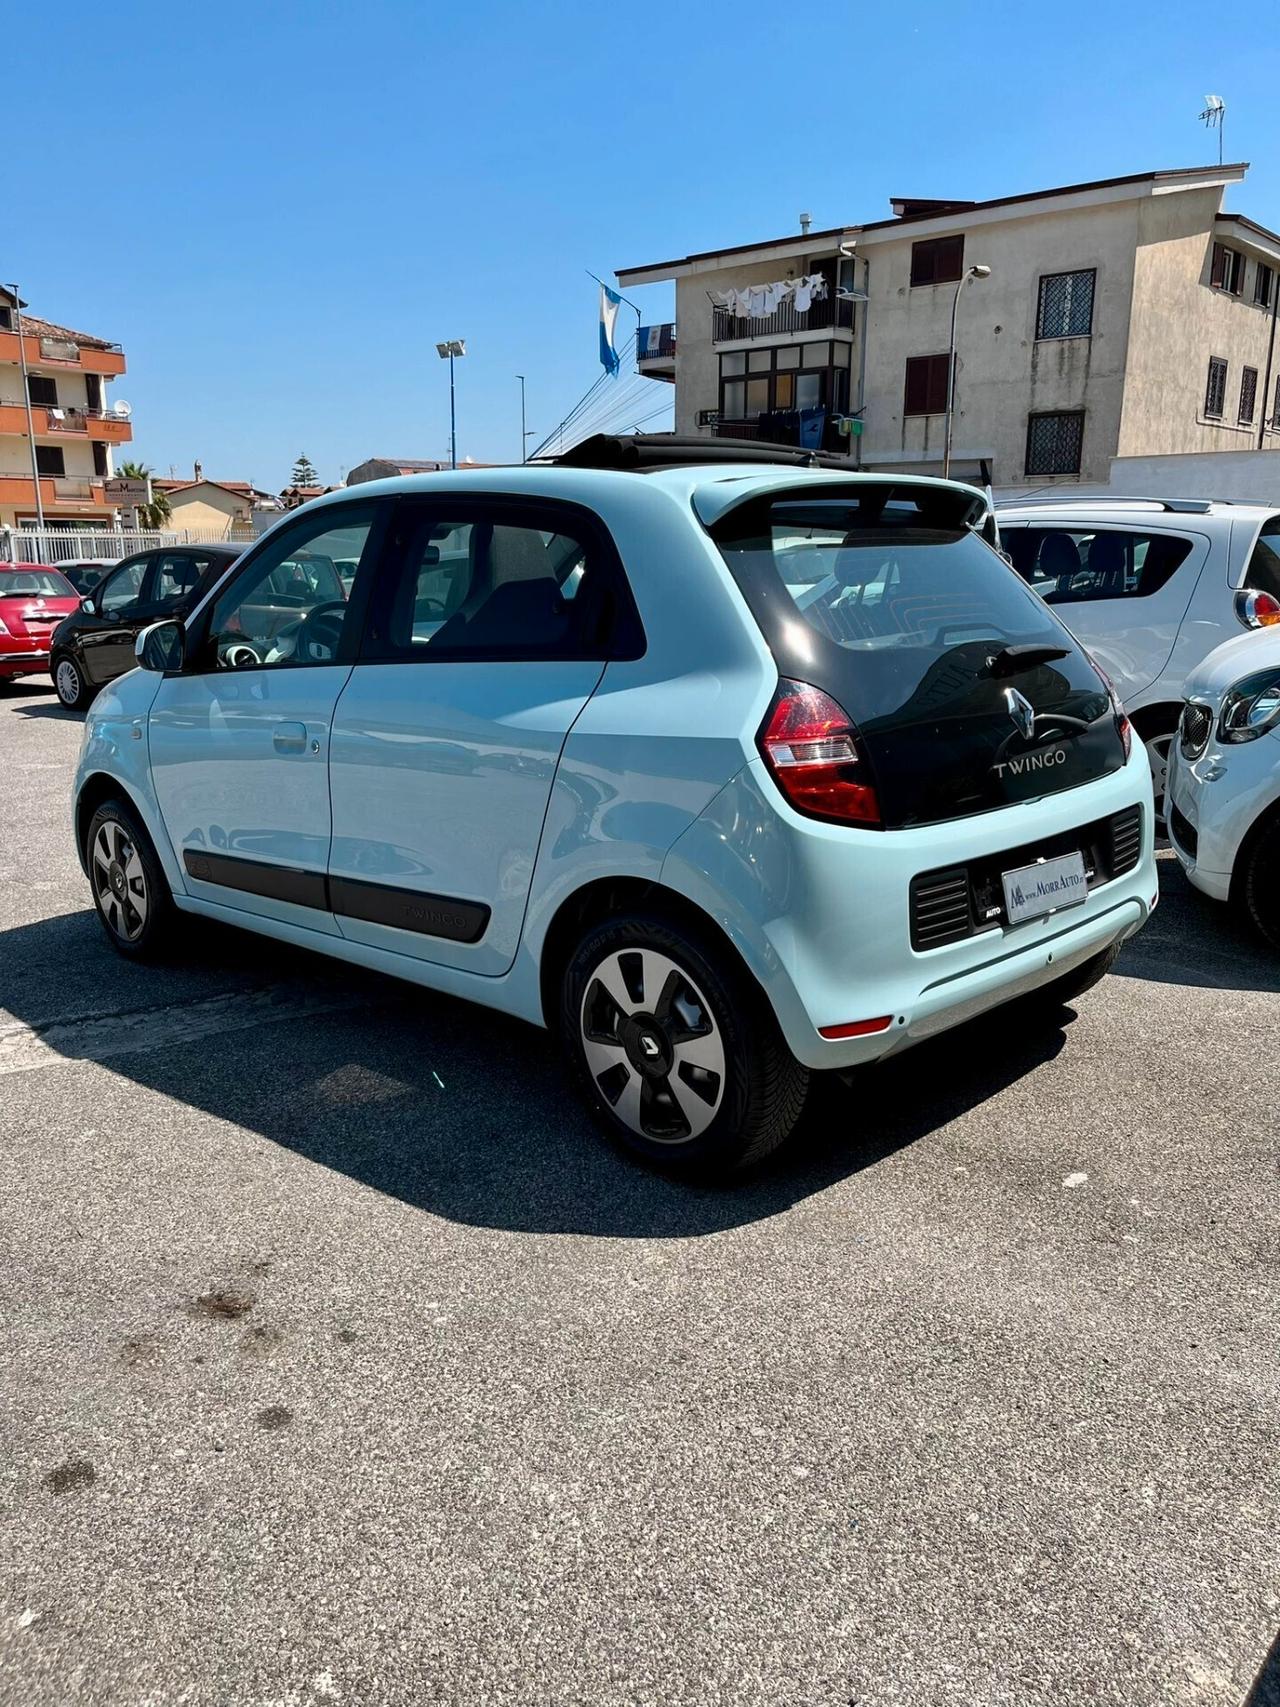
(1215, 392)
(1275, 408)
(1055, 442)
(1066, 305)
(1248, 394)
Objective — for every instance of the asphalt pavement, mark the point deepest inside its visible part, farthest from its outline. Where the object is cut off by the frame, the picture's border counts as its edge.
(340, 1362)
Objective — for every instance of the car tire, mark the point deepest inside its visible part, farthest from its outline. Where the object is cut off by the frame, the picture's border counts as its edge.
(1257, 884)
(69, 682)
(1159, 744)
(131, 895)
(1050, 997)
(675, 1051)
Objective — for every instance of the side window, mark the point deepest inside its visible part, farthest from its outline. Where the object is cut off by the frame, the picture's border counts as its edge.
(122, 590)
(509, 583)
(289, 607)
(1077, 566)
(1262, 573)
(176, 578)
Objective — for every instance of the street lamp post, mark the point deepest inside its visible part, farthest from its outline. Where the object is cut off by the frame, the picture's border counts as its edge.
(524, 435)
(26, 397)
(447, 351)
(969, 273)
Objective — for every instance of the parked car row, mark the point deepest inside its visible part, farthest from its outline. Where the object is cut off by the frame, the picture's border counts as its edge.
(611, 745)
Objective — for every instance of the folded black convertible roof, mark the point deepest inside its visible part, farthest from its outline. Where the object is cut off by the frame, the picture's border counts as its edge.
(646, 451)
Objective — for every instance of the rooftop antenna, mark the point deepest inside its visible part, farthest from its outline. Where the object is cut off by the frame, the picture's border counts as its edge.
(1214, 117)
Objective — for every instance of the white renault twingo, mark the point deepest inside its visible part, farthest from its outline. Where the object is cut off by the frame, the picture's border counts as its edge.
(727, 772)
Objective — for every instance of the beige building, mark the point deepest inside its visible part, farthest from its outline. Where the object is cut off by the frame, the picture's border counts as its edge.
(1127, 317)
(73, 425)
(214, 509)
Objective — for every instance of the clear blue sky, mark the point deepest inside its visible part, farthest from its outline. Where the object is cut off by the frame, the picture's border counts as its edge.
(278, 209)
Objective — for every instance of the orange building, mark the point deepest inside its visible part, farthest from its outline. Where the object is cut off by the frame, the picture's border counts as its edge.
(75, 427)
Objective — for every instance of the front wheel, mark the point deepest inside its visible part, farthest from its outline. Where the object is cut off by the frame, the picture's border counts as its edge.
(129, 889)
(1256, 888)
(676, 1052)
(1159, 745)
(69, 683)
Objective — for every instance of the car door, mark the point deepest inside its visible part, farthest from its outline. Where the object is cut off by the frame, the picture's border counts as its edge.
(107, 635)
(239, 739)
(489, 626)
(1122, 590)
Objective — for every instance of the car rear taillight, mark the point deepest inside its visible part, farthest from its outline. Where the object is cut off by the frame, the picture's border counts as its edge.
(814, 755)
(1123, 726)
(1257, 610)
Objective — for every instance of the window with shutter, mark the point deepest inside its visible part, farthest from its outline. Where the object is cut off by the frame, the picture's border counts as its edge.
(937, 260)
(925, 391)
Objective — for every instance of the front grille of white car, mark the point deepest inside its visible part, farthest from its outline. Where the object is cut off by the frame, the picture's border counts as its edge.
(1195, 728)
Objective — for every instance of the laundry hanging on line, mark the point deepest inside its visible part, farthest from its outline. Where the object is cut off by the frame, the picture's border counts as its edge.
(757, 302)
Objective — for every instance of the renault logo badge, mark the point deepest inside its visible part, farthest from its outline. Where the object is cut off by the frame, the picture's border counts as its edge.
(1022, 712)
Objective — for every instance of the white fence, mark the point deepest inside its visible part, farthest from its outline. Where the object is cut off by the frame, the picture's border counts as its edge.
(69, 545)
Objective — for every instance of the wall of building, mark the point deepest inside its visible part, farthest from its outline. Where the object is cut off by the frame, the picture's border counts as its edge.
(1002, 372)
(1179, 321)
(77, 455)
(1248, 475)
(207, 508)
(72, 386)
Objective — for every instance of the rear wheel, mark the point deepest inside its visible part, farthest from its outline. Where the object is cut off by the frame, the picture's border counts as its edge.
(1158, 739)
(69, 683)
(129, 889)
(677, 1055)
(1257, 884)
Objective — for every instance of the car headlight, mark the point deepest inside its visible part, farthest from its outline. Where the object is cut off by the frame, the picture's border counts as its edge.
(1251, 707)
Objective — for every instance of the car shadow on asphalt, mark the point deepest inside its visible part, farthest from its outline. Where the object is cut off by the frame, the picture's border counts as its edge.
(452, 1108)
(1265, 1691)
(464, 1113)
(1193, 940)
(45, 707)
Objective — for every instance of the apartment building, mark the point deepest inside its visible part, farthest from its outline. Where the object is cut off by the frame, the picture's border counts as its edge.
(1126, 317)
(75, 428)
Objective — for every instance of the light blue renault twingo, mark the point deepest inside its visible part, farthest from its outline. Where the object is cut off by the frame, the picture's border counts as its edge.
(725, 771)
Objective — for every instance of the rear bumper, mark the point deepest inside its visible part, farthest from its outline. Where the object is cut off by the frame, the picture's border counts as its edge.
(26, 662)
(822, 914)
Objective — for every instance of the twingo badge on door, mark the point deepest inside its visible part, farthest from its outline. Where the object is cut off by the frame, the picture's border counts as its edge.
(1034, 890)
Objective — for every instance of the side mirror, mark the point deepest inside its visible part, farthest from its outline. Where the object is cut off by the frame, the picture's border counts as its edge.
(159, 647)
(88, 607)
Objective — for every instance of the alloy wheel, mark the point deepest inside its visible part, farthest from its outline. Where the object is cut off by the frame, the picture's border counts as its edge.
(653, 1046)
(67, 682)
(1158, 749)
(119, 882)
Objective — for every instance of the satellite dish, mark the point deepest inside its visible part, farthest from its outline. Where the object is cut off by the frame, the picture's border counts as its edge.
(122, 410)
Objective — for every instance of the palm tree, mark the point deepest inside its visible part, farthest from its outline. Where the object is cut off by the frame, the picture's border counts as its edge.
(154, 515)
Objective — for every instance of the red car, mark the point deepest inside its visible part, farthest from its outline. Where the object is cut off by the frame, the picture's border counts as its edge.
(33, 601)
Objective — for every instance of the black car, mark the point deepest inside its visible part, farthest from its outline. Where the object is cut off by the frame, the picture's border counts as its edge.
(95, 644)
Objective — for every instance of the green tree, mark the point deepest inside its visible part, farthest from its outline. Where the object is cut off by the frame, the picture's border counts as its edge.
(155, 515)
(304, 473)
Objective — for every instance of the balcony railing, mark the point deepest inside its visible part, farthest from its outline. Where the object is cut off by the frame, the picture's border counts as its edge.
(783, 322)
(652, 341)
(68, 489)
(783, 428)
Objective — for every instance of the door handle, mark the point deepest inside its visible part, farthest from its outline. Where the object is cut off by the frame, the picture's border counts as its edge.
(289, 738)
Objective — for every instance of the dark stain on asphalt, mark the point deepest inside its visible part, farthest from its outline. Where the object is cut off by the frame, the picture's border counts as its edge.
(261, 1338)
(275, 1416)
(75, 1473)
(225, 1305)
(139, 1349)
(260, 1265)
(347, 1336)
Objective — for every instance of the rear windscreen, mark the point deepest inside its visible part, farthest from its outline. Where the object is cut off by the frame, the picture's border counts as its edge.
(35, 583)
(895, 595)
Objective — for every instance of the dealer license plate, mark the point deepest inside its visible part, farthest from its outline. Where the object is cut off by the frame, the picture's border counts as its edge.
(1034, 890)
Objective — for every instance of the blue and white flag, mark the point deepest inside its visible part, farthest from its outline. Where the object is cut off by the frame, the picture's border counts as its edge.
(610, 302)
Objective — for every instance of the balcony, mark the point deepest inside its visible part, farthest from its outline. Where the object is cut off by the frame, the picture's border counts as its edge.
(783, 428)
(100, 424)
(60, 494)
(656, 351)
(785, 322)
(60, 353)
